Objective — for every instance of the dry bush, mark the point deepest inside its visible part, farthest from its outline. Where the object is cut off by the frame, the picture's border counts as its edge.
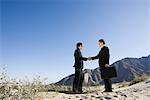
(123, 84)
(58, 88)
(138, 79)
(17, 89)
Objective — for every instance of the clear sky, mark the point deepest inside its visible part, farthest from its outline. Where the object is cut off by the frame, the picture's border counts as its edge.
(39, 36)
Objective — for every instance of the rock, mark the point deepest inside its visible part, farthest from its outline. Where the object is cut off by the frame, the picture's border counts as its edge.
(108, 98)
(115, 96)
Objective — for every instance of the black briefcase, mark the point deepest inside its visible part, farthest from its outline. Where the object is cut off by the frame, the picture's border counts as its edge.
(108, 72)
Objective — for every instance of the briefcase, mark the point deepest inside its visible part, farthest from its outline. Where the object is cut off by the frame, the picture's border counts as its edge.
(108, 72)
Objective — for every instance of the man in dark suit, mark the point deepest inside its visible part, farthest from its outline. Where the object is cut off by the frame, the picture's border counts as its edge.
(103, 57)
(79, 77)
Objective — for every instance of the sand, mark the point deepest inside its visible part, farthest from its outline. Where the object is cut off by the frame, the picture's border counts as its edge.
(139, 91)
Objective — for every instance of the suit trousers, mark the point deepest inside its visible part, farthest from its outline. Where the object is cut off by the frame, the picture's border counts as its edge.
(78, 80)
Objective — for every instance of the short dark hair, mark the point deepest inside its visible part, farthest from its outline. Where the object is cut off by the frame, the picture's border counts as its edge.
(79, 44)
(102, 41)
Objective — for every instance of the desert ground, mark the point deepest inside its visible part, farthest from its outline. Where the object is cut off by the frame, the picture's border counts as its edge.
(139, 91)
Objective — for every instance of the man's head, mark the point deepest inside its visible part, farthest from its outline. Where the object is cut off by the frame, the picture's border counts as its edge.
(101, 43)
(79, 45)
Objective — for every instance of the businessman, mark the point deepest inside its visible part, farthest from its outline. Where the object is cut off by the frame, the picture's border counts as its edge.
(103, 57)
(78, 80)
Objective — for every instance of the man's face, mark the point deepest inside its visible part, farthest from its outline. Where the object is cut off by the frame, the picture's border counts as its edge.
(100, 44)
(81, 47)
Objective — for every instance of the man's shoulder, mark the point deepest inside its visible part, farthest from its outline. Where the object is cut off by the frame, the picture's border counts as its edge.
(77, 50)
(106, 48)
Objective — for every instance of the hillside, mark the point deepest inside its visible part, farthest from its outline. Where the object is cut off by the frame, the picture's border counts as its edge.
(127, 70)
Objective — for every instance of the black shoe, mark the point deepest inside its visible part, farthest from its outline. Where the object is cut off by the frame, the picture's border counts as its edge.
(108, 91)
(75, 91)
(81, 92)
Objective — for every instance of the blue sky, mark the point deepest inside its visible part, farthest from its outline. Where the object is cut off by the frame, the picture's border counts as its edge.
(39, 36)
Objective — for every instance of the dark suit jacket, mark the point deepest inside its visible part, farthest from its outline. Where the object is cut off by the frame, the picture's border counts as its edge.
(78, 59)
(103, 57)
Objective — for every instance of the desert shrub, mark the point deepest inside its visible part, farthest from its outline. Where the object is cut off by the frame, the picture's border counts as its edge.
(123, 84)
(58, 88)
(17, 89)
(138, 79)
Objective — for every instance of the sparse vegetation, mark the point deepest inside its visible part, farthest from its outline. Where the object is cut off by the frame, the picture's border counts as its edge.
(68, 89)
(14, 89)
(138, 79)
(123, 84)
(17, 89)
(58, 88)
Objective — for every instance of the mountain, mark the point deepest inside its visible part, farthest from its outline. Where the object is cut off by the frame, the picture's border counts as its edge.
(127, 69)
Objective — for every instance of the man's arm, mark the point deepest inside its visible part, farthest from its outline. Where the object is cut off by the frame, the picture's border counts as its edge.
(79, 57)
(84, 58)
(95, 57)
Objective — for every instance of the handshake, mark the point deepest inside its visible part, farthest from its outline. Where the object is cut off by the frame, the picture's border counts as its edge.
(89, 58)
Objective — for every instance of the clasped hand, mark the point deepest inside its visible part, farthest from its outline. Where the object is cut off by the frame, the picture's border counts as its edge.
(89, 58)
